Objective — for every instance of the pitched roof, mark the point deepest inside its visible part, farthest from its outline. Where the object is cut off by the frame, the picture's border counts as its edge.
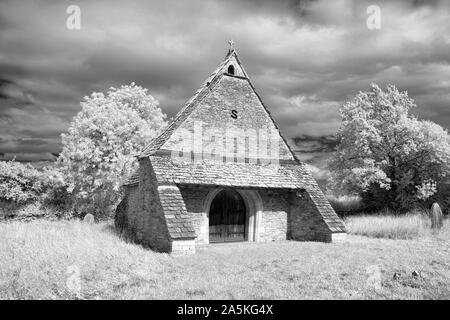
(286, 175)
(194, 101)
(133, 179)
(330, 217)
(179, 222)
(190, 105)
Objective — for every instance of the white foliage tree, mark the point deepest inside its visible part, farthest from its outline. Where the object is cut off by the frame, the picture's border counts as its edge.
(103, 139)
(385, 153)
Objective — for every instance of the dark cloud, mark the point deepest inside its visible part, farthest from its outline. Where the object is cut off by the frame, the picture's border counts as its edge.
(309, 144)
(305, 58)
(31, 142)
(15, 94)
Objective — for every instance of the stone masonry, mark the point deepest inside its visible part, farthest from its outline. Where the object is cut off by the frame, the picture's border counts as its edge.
(168, 200)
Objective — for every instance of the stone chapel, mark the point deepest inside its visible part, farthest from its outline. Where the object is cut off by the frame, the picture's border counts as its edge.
(222, 172)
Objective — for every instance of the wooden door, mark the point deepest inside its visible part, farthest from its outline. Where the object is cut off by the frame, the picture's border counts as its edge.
(227, 217)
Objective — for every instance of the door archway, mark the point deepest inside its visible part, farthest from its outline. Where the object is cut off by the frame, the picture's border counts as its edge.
(227, 217)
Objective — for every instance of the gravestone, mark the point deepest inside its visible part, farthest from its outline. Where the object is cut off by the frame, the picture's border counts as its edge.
(436, 216)
(89, 219)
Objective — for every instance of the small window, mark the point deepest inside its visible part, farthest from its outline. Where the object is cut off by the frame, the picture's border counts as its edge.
(231, 69)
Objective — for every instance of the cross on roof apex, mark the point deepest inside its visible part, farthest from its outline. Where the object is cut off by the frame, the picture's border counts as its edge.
(231, 43)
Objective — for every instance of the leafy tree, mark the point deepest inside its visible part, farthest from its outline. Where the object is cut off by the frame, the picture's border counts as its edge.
(386, 154)
(22, 183)
(103, 139)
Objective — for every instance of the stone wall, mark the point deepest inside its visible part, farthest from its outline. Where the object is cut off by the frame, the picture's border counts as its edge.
(156, 233)
(145, 221)
(182, 247)
(194, 199)
(214, 112)
(306, 222)
(284, 214)
(155, 215)
(274, 218)
(273, 221)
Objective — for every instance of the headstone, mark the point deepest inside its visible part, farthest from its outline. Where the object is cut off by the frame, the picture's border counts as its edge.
(89, 219)
(416, 274)
(437, 219)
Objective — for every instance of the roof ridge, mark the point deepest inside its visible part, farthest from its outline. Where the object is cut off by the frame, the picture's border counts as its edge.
(184, 113)
(273, 121)
(157, 142)
(264, 106)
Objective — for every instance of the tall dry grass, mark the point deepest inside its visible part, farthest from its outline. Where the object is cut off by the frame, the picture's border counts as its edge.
(345, 204)
(391, 226)
(38, 260)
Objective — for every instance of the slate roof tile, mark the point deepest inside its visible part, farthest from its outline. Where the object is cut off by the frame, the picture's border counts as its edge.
(215, 173)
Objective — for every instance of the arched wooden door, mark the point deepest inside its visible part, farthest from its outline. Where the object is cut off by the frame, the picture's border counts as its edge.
(227, 217)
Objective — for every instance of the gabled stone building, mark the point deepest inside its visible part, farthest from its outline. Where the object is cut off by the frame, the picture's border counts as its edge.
(222, 172)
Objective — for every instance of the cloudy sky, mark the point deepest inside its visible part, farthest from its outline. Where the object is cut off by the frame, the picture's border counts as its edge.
(304, 57)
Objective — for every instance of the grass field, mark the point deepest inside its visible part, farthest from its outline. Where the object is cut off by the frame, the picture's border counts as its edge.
(391, 226)
(41, 260)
